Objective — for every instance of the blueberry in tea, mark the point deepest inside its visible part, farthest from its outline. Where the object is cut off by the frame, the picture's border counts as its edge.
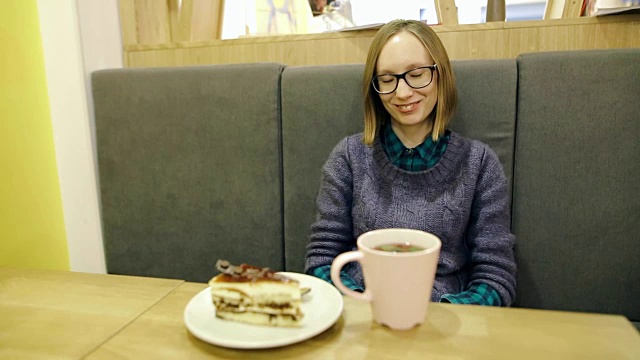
(399, 247)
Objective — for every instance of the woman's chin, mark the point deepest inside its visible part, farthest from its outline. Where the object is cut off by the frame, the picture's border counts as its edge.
(410, 119)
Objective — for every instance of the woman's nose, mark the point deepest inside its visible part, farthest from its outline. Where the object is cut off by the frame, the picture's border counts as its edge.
(403, 90)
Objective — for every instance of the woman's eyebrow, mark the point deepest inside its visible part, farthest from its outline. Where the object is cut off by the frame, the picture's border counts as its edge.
(411, 66)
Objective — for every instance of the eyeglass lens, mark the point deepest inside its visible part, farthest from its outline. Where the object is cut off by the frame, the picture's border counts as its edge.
(416, 78)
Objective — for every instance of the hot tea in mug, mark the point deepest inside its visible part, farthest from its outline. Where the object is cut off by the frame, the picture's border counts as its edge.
(399, 268)
(399, 247)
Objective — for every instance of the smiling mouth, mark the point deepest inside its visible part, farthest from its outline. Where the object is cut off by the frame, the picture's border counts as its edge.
(407, 107)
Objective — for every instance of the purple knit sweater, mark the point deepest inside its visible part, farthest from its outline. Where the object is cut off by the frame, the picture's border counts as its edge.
(463, 200)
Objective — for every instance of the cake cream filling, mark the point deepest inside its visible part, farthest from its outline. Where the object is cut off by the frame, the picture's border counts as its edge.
(270, 301)
(260, 319)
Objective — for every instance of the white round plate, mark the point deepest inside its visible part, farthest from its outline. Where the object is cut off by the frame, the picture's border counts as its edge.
(321, 308)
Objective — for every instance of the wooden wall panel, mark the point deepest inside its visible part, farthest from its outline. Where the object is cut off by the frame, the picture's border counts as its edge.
(446, 12)
(481, 41)
(128, 24)
(617, 35)
(180, 20)
(572, 8)
(207, 20)
(152, 18)
(159, 22)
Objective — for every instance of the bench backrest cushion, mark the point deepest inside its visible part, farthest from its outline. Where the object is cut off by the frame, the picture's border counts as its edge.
(576, 211)
(189, 164)
(320, 106)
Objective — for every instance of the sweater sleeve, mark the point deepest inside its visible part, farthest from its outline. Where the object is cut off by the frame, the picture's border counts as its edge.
(489, 238)
(331, 233)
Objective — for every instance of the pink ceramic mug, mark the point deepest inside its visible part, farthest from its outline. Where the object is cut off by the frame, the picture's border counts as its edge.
(398, 284)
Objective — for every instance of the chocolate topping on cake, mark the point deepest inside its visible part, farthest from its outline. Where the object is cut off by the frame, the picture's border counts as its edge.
(247, 273)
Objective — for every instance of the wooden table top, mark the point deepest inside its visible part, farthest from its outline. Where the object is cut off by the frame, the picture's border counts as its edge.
(450, 332)
(66, 315)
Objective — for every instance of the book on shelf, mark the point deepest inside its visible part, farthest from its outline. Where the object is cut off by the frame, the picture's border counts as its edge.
(609, 7)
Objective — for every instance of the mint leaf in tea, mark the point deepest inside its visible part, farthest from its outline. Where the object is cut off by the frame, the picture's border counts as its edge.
(399, 247)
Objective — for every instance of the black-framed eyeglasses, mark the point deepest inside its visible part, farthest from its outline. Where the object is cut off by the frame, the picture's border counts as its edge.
(416, 78)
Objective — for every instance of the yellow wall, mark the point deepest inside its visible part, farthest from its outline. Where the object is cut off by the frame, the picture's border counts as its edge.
(32, 233)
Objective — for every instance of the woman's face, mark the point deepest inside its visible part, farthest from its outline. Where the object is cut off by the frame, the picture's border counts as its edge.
(409, 108)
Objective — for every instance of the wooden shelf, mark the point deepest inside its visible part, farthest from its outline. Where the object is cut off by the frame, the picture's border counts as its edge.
(476, 41)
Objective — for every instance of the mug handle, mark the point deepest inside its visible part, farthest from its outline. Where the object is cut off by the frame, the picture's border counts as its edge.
(336, 267)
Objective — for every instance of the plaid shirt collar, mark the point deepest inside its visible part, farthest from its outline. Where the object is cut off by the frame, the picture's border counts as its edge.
(422, 157)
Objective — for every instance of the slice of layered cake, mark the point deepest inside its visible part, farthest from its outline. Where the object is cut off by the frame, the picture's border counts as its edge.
(255, 295)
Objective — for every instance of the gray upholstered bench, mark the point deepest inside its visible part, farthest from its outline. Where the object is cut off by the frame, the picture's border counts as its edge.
(224, 161)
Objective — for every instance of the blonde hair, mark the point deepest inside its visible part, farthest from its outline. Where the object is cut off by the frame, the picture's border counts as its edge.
(375, 114)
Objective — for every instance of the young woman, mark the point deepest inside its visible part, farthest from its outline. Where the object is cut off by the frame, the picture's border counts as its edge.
(409, 170)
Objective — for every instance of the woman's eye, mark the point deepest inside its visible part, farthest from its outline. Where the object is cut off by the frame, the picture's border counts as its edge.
(386, 79)
(416, 75)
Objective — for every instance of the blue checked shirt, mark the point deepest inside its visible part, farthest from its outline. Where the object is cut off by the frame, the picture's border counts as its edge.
(420, 158)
